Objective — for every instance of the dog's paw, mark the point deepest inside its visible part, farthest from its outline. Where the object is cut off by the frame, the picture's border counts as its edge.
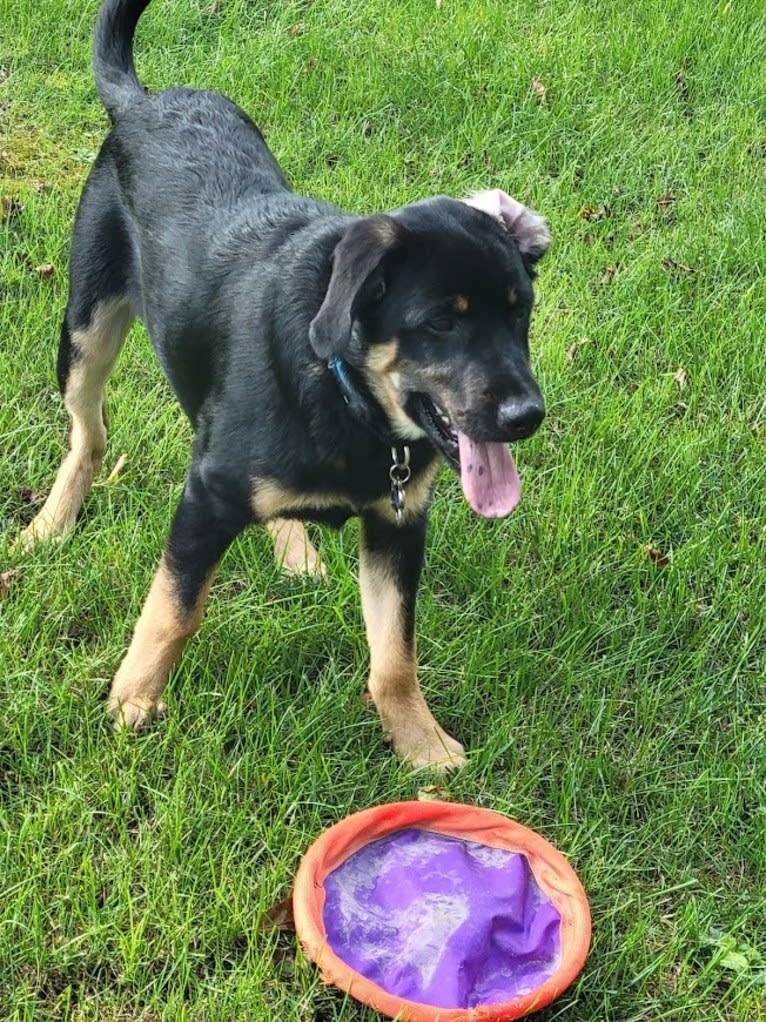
(39, 530)
(135, 714)
(309, 564)
(434, 750)
(293, 550)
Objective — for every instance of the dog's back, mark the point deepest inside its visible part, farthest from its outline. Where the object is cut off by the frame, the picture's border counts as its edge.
(185, 197)
(176, 163)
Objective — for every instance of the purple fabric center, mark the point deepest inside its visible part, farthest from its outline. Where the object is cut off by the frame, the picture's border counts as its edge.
(441, 921)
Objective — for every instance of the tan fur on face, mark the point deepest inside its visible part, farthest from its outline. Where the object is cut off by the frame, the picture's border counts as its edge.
(512, 295)
(161, 632)
(384, 378)
(461, 304)
(393, 684)
(97, 348)
(382, 358)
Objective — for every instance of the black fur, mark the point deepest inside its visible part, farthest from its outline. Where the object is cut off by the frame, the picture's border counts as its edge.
(67, 355)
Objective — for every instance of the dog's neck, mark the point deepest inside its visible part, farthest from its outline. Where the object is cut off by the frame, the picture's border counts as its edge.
(361, 402)
(365, 409)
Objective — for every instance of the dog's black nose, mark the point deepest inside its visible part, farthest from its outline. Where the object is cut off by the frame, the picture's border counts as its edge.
(519, 417)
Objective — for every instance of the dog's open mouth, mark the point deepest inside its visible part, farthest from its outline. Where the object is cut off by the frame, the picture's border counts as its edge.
(487, 471)
(439, 428)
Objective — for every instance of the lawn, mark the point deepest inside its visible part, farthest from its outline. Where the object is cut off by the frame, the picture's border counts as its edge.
(602, 652)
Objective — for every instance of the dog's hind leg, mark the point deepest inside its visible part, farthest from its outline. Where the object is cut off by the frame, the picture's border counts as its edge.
(87, 354)
(98, 316)
(205, 523)
(293, 550)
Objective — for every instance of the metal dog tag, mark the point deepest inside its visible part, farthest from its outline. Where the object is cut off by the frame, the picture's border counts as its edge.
(399, 474)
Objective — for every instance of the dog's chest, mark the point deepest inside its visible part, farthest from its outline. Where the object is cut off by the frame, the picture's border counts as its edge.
(343, 492)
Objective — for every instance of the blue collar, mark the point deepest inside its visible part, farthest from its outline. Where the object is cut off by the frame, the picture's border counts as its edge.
(360, 400)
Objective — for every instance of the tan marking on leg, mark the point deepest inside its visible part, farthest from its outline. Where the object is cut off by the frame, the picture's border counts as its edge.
(393, 683)
(161, 632)
(97, 348)
(293, 550)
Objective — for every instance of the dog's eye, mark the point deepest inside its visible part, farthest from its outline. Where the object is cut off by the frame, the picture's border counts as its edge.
(441, 324)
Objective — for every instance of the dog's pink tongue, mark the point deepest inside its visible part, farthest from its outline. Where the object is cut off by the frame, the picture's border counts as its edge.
(490, 481)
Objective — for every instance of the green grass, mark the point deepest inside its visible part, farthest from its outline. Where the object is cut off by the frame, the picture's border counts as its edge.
(612, 701)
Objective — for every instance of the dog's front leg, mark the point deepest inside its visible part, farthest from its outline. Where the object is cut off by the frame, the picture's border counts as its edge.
(390, 561)
(203, 526)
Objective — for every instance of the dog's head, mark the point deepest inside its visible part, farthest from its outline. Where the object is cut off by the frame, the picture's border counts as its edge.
(432, 302)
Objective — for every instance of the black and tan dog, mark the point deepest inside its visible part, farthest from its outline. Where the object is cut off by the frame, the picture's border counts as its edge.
(326, 361)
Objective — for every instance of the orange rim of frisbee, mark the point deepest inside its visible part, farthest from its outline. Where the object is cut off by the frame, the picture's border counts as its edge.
(555, 877)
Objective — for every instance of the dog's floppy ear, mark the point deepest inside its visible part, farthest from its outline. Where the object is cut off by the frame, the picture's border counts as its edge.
(357, 255)
(527, 228)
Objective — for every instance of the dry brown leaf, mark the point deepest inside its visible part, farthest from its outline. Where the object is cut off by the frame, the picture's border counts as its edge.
(610, 274)
(656, 556)
(681, 377)
(539, 90)
(279, 916)
(673, 264)
(433, 793)
(682, 87)
(31, 497)
(10, 207)
(575, 347)
(591, 213)
(45, 271)
(297, 29)
(665, 204)
(6, 578)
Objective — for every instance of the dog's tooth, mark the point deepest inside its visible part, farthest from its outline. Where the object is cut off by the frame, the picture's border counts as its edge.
(442, 415)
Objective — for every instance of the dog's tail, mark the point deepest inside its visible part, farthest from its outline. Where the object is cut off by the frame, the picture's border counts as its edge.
(116, 80)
